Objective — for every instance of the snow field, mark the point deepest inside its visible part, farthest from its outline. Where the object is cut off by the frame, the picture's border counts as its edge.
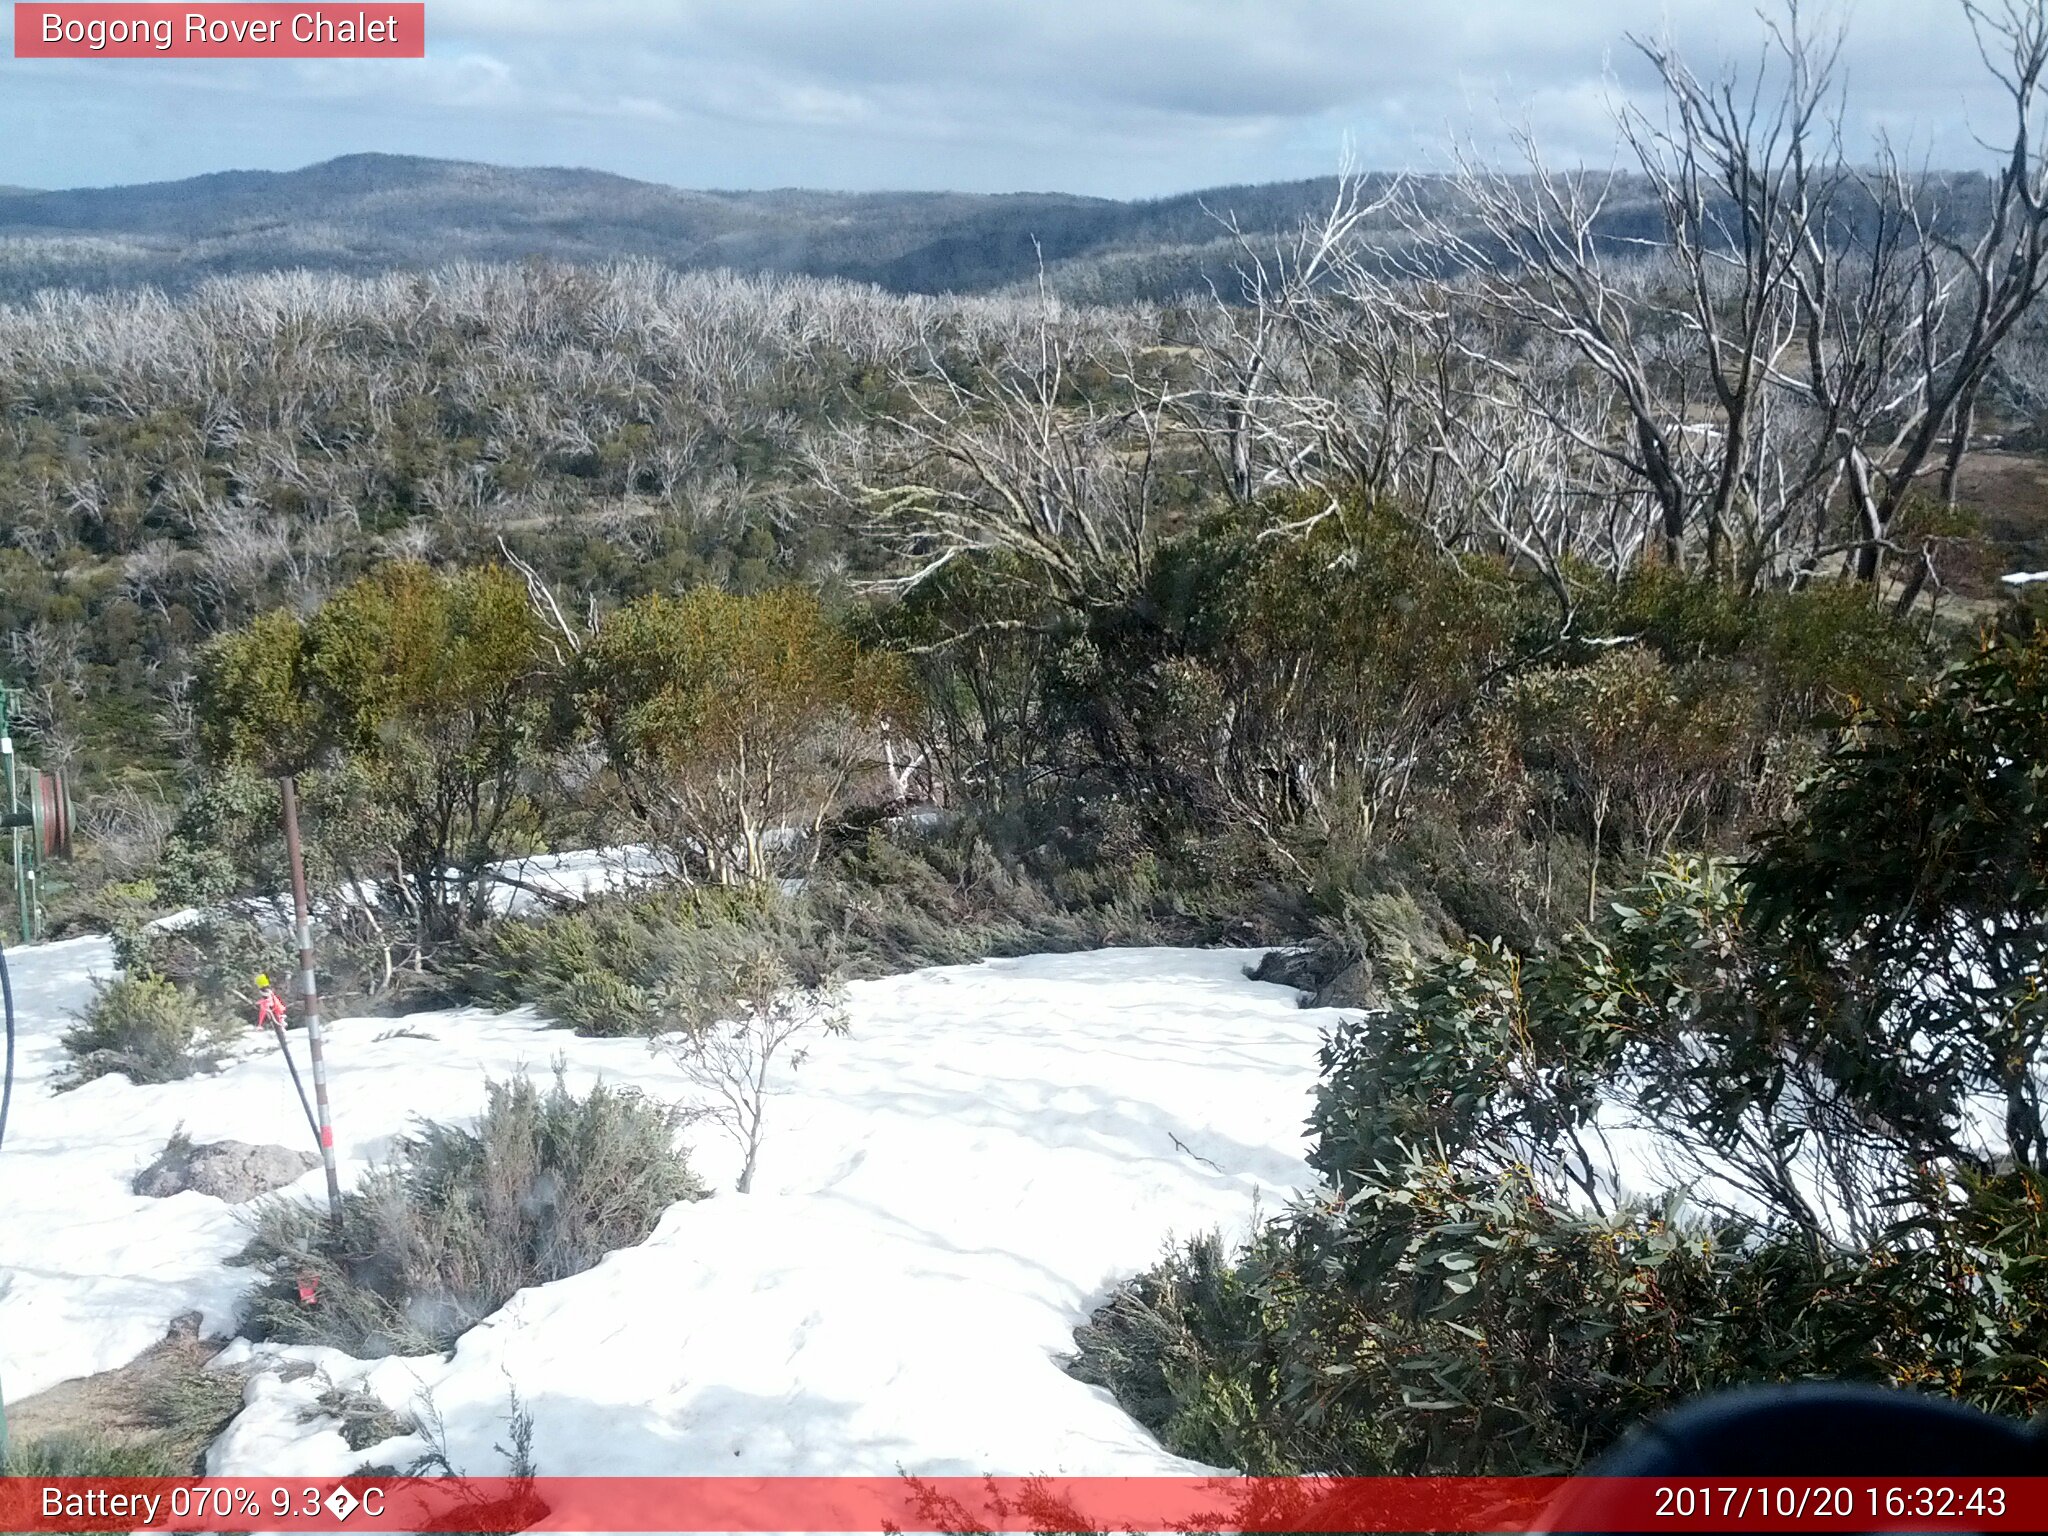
(942, 1195)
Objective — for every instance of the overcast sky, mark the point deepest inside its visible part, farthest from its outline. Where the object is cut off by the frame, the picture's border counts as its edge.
(1124, 98)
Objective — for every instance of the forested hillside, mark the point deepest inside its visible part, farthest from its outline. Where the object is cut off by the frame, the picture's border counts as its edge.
(366, 214)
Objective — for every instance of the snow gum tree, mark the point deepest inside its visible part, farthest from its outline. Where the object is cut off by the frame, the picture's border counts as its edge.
(736, 723)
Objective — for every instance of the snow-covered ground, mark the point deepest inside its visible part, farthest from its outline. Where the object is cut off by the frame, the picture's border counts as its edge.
(943, 1194)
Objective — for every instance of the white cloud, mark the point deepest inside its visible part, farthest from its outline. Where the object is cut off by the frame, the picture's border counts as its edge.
(1133, 97)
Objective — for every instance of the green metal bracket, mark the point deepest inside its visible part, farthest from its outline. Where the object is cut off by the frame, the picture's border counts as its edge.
(17, 822)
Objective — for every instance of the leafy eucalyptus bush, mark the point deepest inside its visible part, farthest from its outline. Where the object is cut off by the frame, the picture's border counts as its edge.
(736, 724)
(1296, 685)
(1910, 902)
(1478, 1289)
(1442, 1322)
(419, 703)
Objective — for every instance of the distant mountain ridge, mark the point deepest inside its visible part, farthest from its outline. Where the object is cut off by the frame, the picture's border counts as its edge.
(372, 213)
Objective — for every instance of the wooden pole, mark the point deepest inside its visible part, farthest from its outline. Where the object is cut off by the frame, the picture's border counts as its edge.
(309, 990)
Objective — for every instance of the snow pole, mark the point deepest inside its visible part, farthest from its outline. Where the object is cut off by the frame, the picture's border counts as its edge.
(309, 990)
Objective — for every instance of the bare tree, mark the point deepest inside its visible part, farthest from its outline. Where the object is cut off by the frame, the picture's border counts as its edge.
(1050, 451)
(1801, 336)
(1304, 370)
(1903, 287)
(734, 1060)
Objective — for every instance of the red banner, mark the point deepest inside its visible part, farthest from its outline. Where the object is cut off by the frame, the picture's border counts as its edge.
(371, 30)
(964, 1504)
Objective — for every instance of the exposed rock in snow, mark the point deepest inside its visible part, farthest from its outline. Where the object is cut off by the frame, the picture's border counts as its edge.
(1330, 975)
(233, 1171)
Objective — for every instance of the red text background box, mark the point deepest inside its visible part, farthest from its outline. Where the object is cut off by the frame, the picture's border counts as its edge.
(1019, 1505)
(367, 29)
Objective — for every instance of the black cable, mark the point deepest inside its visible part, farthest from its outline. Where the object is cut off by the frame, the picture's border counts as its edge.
(6, 1074)
(304, 1103)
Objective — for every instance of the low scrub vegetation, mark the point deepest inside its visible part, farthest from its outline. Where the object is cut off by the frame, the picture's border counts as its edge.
(640, 964)
(86, 1455)
(360, 1417)
(147, 1028)
(661, 960)
(546, 1185)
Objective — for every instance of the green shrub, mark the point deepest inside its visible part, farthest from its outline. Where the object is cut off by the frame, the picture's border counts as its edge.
(1149, 1345)
(1443, 1323)
(417, 702)
(148, 1028)
(659, 960)
(227, 838)
(119, 904)
(642, 964)
(1694, 720)
(1635, 752)
(1909, 900)
(1294, 684)
(187, 1407)
(1434, 1324)
(87, 1455)
(899, 902)
(727, 717)
(193, 1406)
(436, 1240)
(219, 952)
(1810, 651)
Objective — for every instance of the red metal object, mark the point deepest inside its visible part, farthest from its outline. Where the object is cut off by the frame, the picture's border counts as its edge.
(50, 812)
(270, 1010)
